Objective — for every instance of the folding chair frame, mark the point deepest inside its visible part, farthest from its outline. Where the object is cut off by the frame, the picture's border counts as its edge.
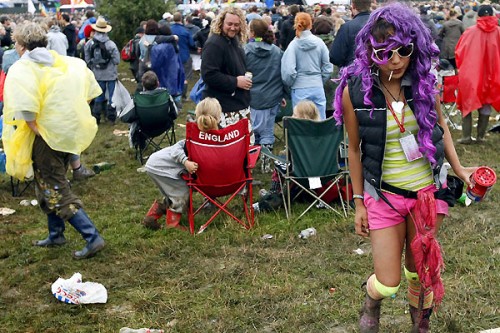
(247, 206)
(169, 135)
(287, 179)
(449, 108)
(18, 188)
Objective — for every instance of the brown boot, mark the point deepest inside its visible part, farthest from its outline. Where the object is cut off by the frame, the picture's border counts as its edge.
(420, 320)
(370, 315)
(173, 220)
(156, 211)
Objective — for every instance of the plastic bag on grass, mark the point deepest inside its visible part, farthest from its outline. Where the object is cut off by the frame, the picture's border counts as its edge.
(74, 291)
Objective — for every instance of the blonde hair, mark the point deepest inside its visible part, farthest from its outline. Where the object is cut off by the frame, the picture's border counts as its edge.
(306, 110)
(208, 113)
(218, 23)
(30, 36)
(303, 21)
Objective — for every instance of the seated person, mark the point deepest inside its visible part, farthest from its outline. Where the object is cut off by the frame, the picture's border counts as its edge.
(303, 110)
(151, 87)
(165, 167)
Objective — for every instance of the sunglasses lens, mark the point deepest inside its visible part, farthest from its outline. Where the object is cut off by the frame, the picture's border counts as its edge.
(380, 54)
(406, 51)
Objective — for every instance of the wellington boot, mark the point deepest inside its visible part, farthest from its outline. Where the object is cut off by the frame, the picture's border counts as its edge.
(370, 315)
(482, 125)
(173, 220)
(466, 130)
(156, 211)
(56, 232)
(420, 320)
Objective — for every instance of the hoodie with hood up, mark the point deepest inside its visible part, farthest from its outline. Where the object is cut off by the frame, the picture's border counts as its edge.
(306, 63)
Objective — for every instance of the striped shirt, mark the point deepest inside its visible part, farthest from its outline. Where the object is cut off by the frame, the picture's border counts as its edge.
(396, 170)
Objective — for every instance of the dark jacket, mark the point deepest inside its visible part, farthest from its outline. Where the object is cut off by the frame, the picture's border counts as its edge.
(6, 40)
(223, 61)
(342, 50)
(373, 128)
(287, 32)
(70, 32)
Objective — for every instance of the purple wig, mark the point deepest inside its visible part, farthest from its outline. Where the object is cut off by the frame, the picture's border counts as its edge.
(407, 28)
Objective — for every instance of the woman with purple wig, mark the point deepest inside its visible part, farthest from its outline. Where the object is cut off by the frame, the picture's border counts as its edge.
(398, 140)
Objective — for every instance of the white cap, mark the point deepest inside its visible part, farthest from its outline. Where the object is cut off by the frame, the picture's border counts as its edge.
(167, 16)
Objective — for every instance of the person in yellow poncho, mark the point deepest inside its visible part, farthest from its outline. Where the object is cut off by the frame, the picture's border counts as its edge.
(46, 119)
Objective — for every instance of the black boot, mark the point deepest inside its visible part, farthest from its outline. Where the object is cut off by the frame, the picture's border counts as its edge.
(82, 223)
(56, 232)
(97, 110)
(110, 113)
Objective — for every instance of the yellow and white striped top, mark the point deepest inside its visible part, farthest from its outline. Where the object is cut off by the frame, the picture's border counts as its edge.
(396, 170)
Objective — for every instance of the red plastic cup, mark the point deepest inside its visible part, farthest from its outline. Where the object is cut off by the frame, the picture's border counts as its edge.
(482, 181)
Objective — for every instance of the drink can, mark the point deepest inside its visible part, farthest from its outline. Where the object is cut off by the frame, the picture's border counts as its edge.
(482, 180)
(249, 75)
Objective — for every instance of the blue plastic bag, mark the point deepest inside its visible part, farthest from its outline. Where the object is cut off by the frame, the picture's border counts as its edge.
(197, 91)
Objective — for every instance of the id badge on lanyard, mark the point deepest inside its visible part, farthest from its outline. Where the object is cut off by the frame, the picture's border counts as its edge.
(410, 146)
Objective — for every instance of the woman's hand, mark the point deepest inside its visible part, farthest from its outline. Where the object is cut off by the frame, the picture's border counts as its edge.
(191, 166)
(465, 173)
(361, 221)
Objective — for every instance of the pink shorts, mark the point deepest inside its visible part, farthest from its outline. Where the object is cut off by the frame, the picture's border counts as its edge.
(381, 215)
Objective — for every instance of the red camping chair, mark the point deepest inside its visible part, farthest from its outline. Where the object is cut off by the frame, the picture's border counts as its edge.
(449, 100)
(224, 169)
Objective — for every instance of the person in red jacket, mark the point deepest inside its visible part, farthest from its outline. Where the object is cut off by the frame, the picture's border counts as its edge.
(477, 55)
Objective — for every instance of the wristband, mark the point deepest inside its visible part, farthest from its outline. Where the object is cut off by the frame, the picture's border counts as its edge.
(358, 196)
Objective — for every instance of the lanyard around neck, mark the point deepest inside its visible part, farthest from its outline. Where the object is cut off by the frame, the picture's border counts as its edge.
(401, 124)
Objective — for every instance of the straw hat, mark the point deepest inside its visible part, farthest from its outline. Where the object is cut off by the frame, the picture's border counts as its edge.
(101, 25)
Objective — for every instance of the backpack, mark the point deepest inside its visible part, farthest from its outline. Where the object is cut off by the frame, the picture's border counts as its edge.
(128, 51)
(99, 55)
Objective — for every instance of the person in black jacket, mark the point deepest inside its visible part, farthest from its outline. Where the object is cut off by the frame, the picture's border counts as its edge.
(70, 31)
(223, 66)
(342, 50)
(287, 32)
(6, 40)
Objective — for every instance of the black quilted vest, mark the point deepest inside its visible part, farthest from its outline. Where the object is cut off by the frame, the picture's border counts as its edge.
(372, 132)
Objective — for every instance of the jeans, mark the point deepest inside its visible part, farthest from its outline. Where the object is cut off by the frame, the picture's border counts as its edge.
(263, 124)
(106, 86)
(315, 95)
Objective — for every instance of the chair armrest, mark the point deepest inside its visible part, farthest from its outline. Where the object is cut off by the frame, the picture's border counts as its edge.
(253, 156)
(266, 152)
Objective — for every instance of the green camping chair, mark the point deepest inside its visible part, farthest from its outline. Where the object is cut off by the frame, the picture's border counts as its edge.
(156, 112)
(311, 161)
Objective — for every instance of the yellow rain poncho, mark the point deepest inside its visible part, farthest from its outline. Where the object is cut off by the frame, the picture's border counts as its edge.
(59, 97)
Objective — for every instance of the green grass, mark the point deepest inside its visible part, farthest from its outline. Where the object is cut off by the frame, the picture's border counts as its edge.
(228, 279)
